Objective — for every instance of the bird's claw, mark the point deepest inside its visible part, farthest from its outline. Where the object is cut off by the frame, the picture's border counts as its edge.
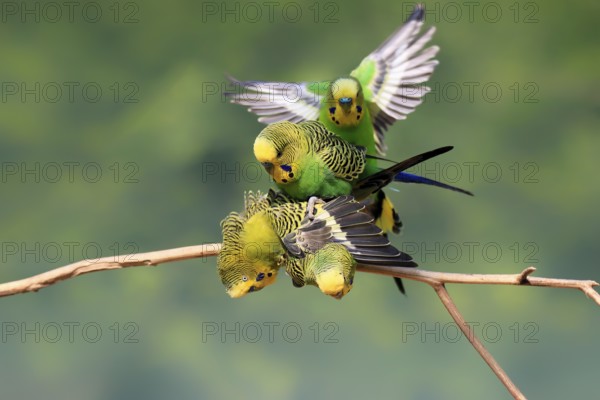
(310, 207)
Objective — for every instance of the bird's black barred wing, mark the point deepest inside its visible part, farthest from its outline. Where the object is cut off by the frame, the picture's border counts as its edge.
(343, 221)
(345, 160)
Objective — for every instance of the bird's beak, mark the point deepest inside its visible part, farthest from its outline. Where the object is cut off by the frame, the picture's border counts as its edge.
(345, 103)
(268, 167)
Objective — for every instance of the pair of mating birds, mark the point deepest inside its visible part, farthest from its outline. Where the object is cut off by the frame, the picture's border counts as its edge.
(326, 146)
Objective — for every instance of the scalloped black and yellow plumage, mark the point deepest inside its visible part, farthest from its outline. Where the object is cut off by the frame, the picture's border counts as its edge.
(273, 233)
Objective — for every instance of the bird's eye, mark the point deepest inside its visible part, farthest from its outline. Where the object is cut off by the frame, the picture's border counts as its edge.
(244, 278)
(279, 154)
(267, 165)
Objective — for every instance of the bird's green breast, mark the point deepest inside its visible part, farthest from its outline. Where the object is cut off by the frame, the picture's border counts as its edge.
(315, 180)
(359, 135)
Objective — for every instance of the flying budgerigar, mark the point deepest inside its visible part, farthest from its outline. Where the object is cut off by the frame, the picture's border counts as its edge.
(274, 233)
(385, 87)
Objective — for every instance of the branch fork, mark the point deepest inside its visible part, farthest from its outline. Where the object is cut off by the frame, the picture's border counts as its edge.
(437, 280)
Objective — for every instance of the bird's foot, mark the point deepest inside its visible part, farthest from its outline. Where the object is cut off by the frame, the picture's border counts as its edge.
(310, 208)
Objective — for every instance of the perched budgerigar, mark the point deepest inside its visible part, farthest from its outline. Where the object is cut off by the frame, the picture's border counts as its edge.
(306, 160)
(271, 234)
(331, 269)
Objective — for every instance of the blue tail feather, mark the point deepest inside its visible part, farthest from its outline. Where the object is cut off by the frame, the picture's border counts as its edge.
(405, 177)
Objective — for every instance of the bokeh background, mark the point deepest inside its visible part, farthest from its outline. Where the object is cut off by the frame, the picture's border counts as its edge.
(118, 107)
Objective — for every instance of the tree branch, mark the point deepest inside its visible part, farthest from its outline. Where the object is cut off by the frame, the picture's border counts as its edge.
(37, 282)
(521, 279)
(444, 296)
(436, 280)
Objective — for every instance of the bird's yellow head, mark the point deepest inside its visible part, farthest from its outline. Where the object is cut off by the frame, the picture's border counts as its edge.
(276, 148)
(241, 277)
(345, 102)
(240, 269)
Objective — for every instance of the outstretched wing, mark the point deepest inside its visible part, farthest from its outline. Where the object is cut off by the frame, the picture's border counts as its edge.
(279, 101)
(343, 221)
(393, 74)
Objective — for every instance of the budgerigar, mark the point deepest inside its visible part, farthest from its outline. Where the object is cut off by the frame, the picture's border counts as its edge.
(331, 269)
(271, 234)
(306, 160)
(385, 87)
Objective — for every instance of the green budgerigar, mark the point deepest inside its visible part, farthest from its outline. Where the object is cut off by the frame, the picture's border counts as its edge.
(330, 268)
(307, 160)
(274, 233)
(384, 88)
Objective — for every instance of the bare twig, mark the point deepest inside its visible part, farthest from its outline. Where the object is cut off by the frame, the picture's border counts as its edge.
(444, 296)
(521, 279)
(436, 280)
(37, 282)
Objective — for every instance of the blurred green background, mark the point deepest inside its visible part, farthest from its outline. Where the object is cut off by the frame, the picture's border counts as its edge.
(114, 138)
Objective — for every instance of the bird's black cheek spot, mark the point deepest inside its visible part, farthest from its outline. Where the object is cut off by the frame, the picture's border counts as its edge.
(337, 122)
(260, 276)
(291, 174)
(284, 180)
(359, 109)
(269, 274)
(358, 116)
(332, 110)
(252, 288)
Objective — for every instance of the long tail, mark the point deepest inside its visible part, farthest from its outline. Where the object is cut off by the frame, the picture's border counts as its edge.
(406, 177)
(371, 184)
